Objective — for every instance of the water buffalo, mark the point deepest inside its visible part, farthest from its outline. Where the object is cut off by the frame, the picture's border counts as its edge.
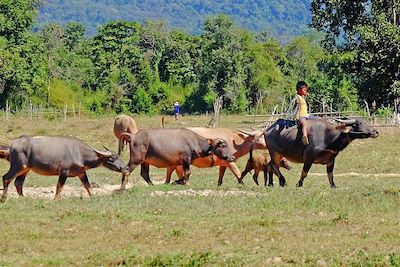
(239, 143)
(263, 163)
(124, 124)
(56, 155)
(326, 140)
(165, 148)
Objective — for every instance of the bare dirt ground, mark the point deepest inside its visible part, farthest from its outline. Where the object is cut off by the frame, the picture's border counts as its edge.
(108, 189)
(68, 191)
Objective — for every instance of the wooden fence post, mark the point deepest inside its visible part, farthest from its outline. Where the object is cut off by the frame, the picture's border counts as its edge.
(30, 109)
(217, 107)
(65, 112)
(7, 109)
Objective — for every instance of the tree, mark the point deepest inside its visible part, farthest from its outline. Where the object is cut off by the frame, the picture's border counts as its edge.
(265, 79)
(223, 72)
(22, 72)
(117, 59)
(369, 29)
(16, 17)
(377, 62)
(74, 34)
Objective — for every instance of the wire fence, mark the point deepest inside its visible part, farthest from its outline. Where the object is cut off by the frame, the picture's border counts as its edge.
(32, 111)
(391, 119)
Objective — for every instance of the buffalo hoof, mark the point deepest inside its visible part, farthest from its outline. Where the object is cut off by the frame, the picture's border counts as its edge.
(240, 181)
(180, 182)
(333, 186)
(3, 199)
(299, 184)
(272, 185)
(119, 191)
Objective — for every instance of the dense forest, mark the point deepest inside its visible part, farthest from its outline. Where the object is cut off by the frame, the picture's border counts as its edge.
(143, 67)
(280, 17)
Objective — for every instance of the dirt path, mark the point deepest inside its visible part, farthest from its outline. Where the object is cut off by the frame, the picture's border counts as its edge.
(107, 189)
(68, 191)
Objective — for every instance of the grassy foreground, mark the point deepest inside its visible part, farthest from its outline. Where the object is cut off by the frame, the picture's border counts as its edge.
(356, 224)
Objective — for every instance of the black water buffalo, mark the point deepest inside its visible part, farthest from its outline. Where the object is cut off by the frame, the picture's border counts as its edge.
(326, 141)
(165, 148)
(56, 155)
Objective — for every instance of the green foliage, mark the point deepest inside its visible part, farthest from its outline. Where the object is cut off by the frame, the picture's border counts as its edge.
(266, 80)
(144, 67)
(63, 93)
(22, 71)
(16, 18)
(370, 30)
(141, 102)
(96, 101)
(378, 60)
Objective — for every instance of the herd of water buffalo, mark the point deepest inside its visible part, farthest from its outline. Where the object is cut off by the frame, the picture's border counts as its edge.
(178, 148)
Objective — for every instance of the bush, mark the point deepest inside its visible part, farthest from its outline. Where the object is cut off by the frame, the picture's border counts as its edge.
(96, 101)
(64, 93)
(141, 102)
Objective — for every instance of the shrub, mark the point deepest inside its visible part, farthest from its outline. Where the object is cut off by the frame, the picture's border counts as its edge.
(64, 93)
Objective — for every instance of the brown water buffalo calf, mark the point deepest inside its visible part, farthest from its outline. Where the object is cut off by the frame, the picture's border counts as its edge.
(165, 148)
(56, 155)
(239, 143)
(123, 124)
(326, 140)
(263, 163)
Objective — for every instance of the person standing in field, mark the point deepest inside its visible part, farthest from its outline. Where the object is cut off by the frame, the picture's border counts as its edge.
(298, 109)
(176, 110)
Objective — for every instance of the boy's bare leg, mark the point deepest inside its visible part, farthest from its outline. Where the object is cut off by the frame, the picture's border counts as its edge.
(304, 138)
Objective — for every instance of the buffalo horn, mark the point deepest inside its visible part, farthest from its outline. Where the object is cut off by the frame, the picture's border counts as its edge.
(254, 133)
(103, 153)
(346, 121)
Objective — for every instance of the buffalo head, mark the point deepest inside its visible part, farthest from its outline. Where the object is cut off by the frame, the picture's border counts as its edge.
(284, 163)
(112, 161)
(357, 128)
(220, 148)
(254, 137)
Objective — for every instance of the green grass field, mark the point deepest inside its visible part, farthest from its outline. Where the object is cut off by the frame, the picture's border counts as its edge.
(203, 225)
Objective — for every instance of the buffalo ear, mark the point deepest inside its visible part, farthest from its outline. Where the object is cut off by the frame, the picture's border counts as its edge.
(211, 142)
(245, 137)
(126, 137)
(343, 128)
(219, 142)
(103, 154)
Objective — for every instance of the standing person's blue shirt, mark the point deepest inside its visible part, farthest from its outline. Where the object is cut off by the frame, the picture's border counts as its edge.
(176, 110)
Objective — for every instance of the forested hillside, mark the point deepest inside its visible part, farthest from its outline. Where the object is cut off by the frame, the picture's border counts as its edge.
(130, 66)
(281, 17)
